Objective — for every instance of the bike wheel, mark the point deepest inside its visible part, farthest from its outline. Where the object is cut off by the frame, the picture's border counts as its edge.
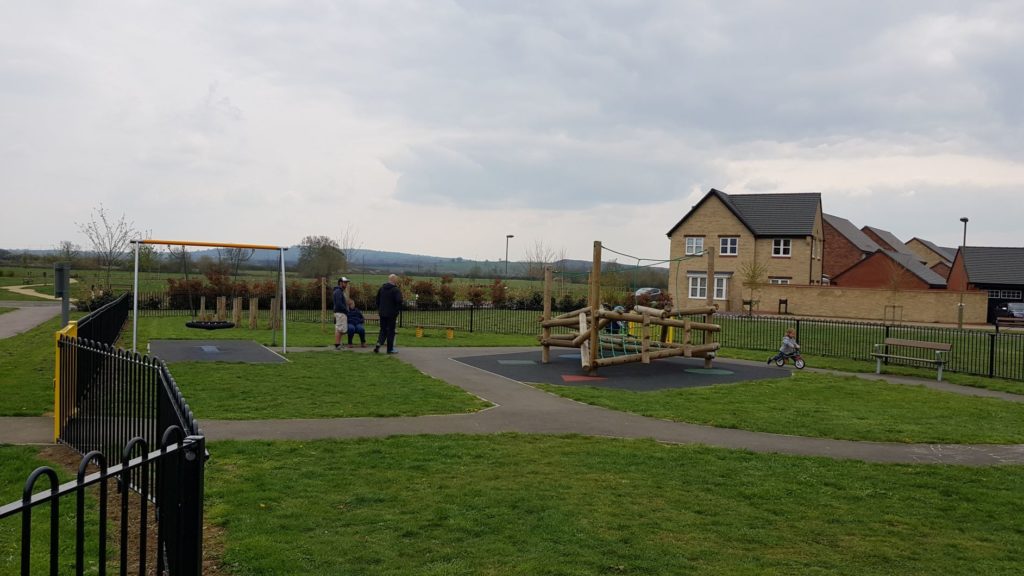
(799, 363)
(780, 362)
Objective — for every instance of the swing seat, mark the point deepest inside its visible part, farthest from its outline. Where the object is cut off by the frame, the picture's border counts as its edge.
(210, 324)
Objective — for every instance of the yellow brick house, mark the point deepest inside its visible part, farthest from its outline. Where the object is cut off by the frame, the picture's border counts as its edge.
(782, 233)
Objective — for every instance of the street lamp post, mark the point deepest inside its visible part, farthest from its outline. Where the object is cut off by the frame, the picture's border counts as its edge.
(507, 238)
(963, 263)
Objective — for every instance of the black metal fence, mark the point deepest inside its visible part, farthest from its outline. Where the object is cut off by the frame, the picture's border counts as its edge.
(105, 323)
(113, 402)
(177, 469)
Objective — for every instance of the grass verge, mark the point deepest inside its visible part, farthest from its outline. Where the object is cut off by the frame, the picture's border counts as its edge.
(26, 371)
(824, 405)
(848, 365)
(528, 505)
(318, 385)
(6, 310)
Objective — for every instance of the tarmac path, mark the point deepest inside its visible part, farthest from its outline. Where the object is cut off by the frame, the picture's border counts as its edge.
(27, 316)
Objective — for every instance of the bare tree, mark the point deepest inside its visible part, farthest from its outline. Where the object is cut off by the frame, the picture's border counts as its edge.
(109, 238)
(539, 256)
(235, 257)
(348, 241)
(68, 251)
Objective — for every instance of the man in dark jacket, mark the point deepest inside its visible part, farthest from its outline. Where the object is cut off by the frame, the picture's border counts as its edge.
(340, 311)
(389, 304)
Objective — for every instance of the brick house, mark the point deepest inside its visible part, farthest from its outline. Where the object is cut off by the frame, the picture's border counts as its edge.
(780, 233)
(886, 240)
(938, 258)
(890, 270)
(845, 245)
(997, 270)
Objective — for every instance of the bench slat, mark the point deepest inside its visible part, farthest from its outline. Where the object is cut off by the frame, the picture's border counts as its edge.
(895, 357)
(919, 344)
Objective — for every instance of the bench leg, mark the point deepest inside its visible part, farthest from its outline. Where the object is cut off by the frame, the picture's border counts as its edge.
(940, 372)
(878, 365)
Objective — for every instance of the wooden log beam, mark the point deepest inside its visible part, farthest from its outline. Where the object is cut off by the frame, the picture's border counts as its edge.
(560, 322)
(656, 312)
(629, 358)
(561, 343)
(693, 311)
(699, 350)
(574, 314)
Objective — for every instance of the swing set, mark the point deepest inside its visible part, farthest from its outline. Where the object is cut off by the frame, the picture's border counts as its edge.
(203, 323)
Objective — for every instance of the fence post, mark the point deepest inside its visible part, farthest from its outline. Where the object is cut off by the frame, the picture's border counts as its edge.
(797, 329)
(886, 349)
(471, 308)
(992, 336)
(191, 527)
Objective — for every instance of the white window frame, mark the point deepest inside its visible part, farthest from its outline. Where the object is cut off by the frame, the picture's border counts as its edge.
(779, 281)
(698, 287)
(694, 245)
(782, 247)
(721, 287)
(1005, 294)
(729, 246)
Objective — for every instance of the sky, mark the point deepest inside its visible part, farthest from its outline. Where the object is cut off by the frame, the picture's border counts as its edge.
(440, 127)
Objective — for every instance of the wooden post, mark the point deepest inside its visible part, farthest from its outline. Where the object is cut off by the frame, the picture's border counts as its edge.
(645, 346)
(272, 324)
(711, 276)
(236, 311)
(202, 307)
(323, 304)
(545, 354)
(222, 308)
(254, 308)
(595, 304)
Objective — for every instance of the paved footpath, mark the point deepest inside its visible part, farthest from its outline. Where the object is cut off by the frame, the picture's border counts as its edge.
(27, 316)
(524, 409)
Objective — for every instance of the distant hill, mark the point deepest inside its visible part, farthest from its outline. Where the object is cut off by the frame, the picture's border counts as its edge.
(380, 261)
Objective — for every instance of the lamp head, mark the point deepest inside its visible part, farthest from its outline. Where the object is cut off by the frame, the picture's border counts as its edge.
(964, 219)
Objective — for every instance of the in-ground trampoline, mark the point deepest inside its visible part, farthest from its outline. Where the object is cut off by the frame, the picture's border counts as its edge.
(564, 369)
(213, 351)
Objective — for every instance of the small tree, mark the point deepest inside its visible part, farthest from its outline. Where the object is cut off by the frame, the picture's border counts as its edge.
(426, 295)
(320, 256)
(68, 251)
(109, 238)
(753, 275)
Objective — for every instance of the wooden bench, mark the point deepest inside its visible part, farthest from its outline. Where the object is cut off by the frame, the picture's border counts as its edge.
(940, 349)
(449, 331)
(1010, 322)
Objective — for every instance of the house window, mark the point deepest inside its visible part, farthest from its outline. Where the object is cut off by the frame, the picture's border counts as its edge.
(694, 245)
(779, 280)
(782, 247)
(721, 290)
(729, 246)
(1005, 294)
(698, 287)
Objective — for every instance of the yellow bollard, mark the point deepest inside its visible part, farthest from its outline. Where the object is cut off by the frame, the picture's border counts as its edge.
(419, 331)
(450, 333)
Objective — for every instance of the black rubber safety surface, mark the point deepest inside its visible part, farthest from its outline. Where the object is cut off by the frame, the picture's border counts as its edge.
(213, 351)
(564, 369)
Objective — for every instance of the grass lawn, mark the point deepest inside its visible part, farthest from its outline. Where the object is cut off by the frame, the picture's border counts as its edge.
(511, 504)
(317, 385)
(6, 310)
(848, 365)
(824, 405)
(26, 371)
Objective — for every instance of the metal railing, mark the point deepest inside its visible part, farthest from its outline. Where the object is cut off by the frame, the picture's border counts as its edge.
(176, 490)
(105, 323)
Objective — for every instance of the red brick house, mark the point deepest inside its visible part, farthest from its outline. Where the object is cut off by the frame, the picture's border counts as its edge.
(887, 240)
(890, 270)
(844, 245)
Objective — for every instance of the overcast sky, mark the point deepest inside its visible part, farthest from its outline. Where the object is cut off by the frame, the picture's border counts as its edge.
(438, 127)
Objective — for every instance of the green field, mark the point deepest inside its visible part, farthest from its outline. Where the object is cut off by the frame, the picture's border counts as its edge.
(528, 505)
